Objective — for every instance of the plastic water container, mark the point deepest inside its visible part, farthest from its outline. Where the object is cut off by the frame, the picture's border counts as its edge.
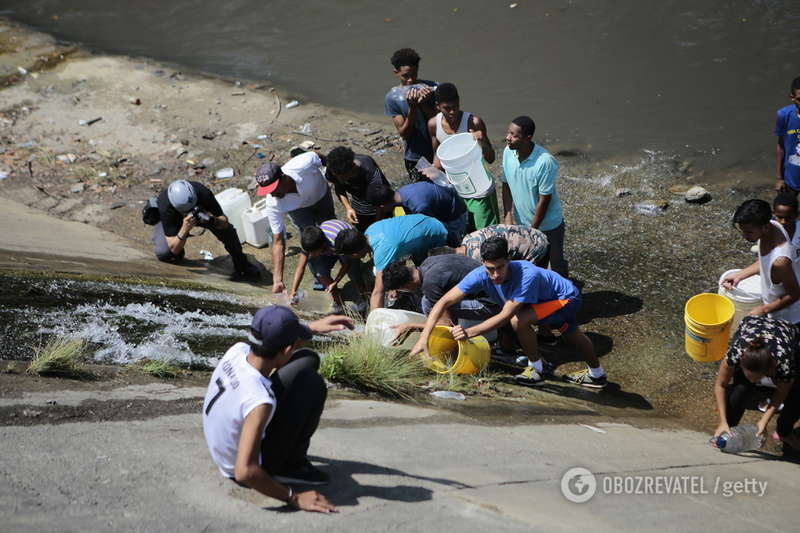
(234, 203)
(745, 297)
(740, 439)
(380, 322)
(256, 225)
(462, 160)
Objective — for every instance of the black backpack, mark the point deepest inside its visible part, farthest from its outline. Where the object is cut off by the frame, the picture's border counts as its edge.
(150, 214)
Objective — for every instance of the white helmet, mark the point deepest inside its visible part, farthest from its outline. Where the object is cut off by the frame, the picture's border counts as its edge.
(182, 196)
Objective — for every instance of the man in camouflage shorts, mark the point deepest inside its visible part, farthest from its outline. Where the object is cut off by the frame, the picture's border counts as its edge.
(524, 243)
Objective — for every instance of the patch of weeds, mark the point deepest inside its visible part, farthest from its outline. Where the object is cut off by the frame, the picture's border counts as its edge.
(481, 383)
(61, 356)
(365, 365)
(158, 368)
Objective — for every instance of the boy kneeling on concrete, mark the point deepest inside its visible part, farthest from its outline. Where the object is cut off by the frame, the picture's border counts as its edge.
(269, 381)
(517, 286)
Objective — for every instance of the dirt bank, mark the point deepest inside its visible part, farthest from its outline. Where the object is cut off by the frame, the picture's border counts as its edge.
(158, 124)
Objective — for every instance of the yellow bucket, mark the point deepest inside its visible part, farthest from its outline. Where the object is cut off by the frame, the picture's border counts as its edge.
(471, 356)
(708, 326)
(399, 211)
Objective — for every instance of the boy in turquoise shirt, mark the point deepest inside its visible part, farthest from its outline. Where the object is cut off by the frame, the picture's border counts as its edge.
(529, 189)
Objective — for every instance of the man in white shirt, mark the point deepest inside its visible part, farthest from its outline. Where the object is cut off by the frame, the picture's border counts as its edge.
(263, 404)
(299, 189)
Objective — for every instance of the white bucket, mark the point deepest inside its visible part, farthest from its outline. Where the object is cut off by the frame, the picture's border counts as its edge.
(256, 225)
(234, 203)
(380, 322)
(746, 296)
(462, 160)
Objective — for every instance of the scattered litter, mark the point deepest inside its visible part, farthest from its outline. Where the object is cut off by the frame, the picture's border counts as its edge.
(257, 146)
(307, 145)
(239, 93)
(77, 188)
(306, 128)
(207, 256)
(293, 103)
(156, 180)
(512, 6)
(260, 155)
(262, 137)
(224, 173)
(448, 395)
(648, 208)
(208, 161)
(22, 71)
(67, 158)
(3, 175)
(89, 122)
(596, 430)
(102, 174)
(379, 152)
(624, 191)
(135, 101)
(117, 205)
(27, 144)
(697, 195)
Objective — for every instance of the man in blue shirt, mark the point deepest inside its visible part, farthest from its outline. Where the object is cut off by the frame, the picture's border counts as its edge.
(390, 240)
(518, 286)
(425, 198)
(410, 105)
(787, 129)
(529, 189)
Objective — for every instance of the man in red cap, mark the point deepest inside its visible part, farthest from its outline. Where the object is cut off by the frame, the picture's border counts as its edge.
(263, 405)
(298, 189)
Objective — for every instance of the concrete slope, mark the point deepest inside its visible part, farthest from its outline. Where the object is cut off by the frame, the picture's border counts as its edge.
(394, 468)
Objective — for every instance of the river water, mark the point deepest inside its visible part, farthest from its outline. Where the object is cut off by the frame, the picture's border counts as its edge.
(699, 79)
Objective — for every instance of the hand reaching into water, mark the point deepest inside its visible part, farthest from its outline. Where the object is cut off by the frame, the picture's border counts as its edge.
(331, 323)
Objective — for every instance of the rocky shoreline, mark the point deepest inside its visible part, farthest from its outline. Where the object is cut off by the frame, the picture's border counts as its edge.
(634, 242)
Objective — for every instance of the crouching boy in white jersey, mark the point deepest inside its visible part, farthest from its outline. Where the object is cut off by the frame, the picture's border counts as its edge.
(258, 423)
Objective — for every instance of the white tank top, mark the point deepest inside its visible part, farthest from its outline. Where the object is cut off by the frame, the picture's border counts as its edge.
(772, 291)
(463, 126)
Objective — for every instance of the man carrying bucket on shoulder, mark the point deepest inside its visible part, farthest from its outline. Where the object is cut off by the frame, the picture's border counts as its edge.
(780, 292)
(528, 295)
(450, 121)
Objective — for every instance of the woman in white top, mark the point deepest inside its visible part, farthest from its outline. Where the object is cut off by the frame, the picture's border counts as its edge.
(780, 292)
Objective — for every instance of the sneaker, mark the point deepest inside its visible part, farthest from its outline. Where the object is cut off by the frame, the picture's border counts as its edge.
(505, 357)
(583, 378)
(252, 274)
(529, 377)
(548, 369)
(306, 474)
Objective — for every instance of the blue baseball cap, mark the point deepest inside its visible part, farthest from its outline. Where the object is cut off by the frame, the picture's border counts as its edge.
(277, 326)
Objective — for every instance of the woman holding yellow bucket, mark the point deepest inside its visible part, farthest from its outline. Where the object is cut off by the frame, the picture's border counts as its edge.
(780, 291)
(761, 348)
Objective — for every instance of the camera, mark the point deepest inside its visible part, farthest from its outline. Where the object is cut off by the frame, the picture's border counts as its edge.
(204, 218)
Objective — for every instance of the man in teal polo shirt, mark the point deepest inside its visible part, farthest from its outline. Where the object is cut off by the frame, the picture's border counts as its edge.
(529, 189)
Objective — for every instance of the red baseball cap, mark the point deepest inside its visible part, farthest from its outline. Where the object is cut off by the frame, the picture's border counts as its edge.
(268, 177)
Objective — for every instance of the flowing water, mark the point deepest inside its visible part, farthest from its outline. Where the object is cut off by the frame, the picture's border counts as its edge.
(700, 79)
(123, 322)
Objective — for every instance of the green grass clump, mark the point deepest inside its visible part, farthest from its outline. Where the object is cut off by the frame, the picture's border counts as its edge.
(158, 368)
(365, 365)
(59, 357)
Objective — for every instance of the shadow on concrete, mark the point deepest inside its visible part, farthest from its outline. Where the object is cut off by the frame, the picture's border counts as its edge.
(344, 490)
(612, 396)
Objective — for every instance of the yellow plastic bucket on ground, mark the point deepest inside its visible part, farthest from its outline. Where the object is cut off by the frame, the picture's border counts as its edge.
(471, 356)
(708, 326)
